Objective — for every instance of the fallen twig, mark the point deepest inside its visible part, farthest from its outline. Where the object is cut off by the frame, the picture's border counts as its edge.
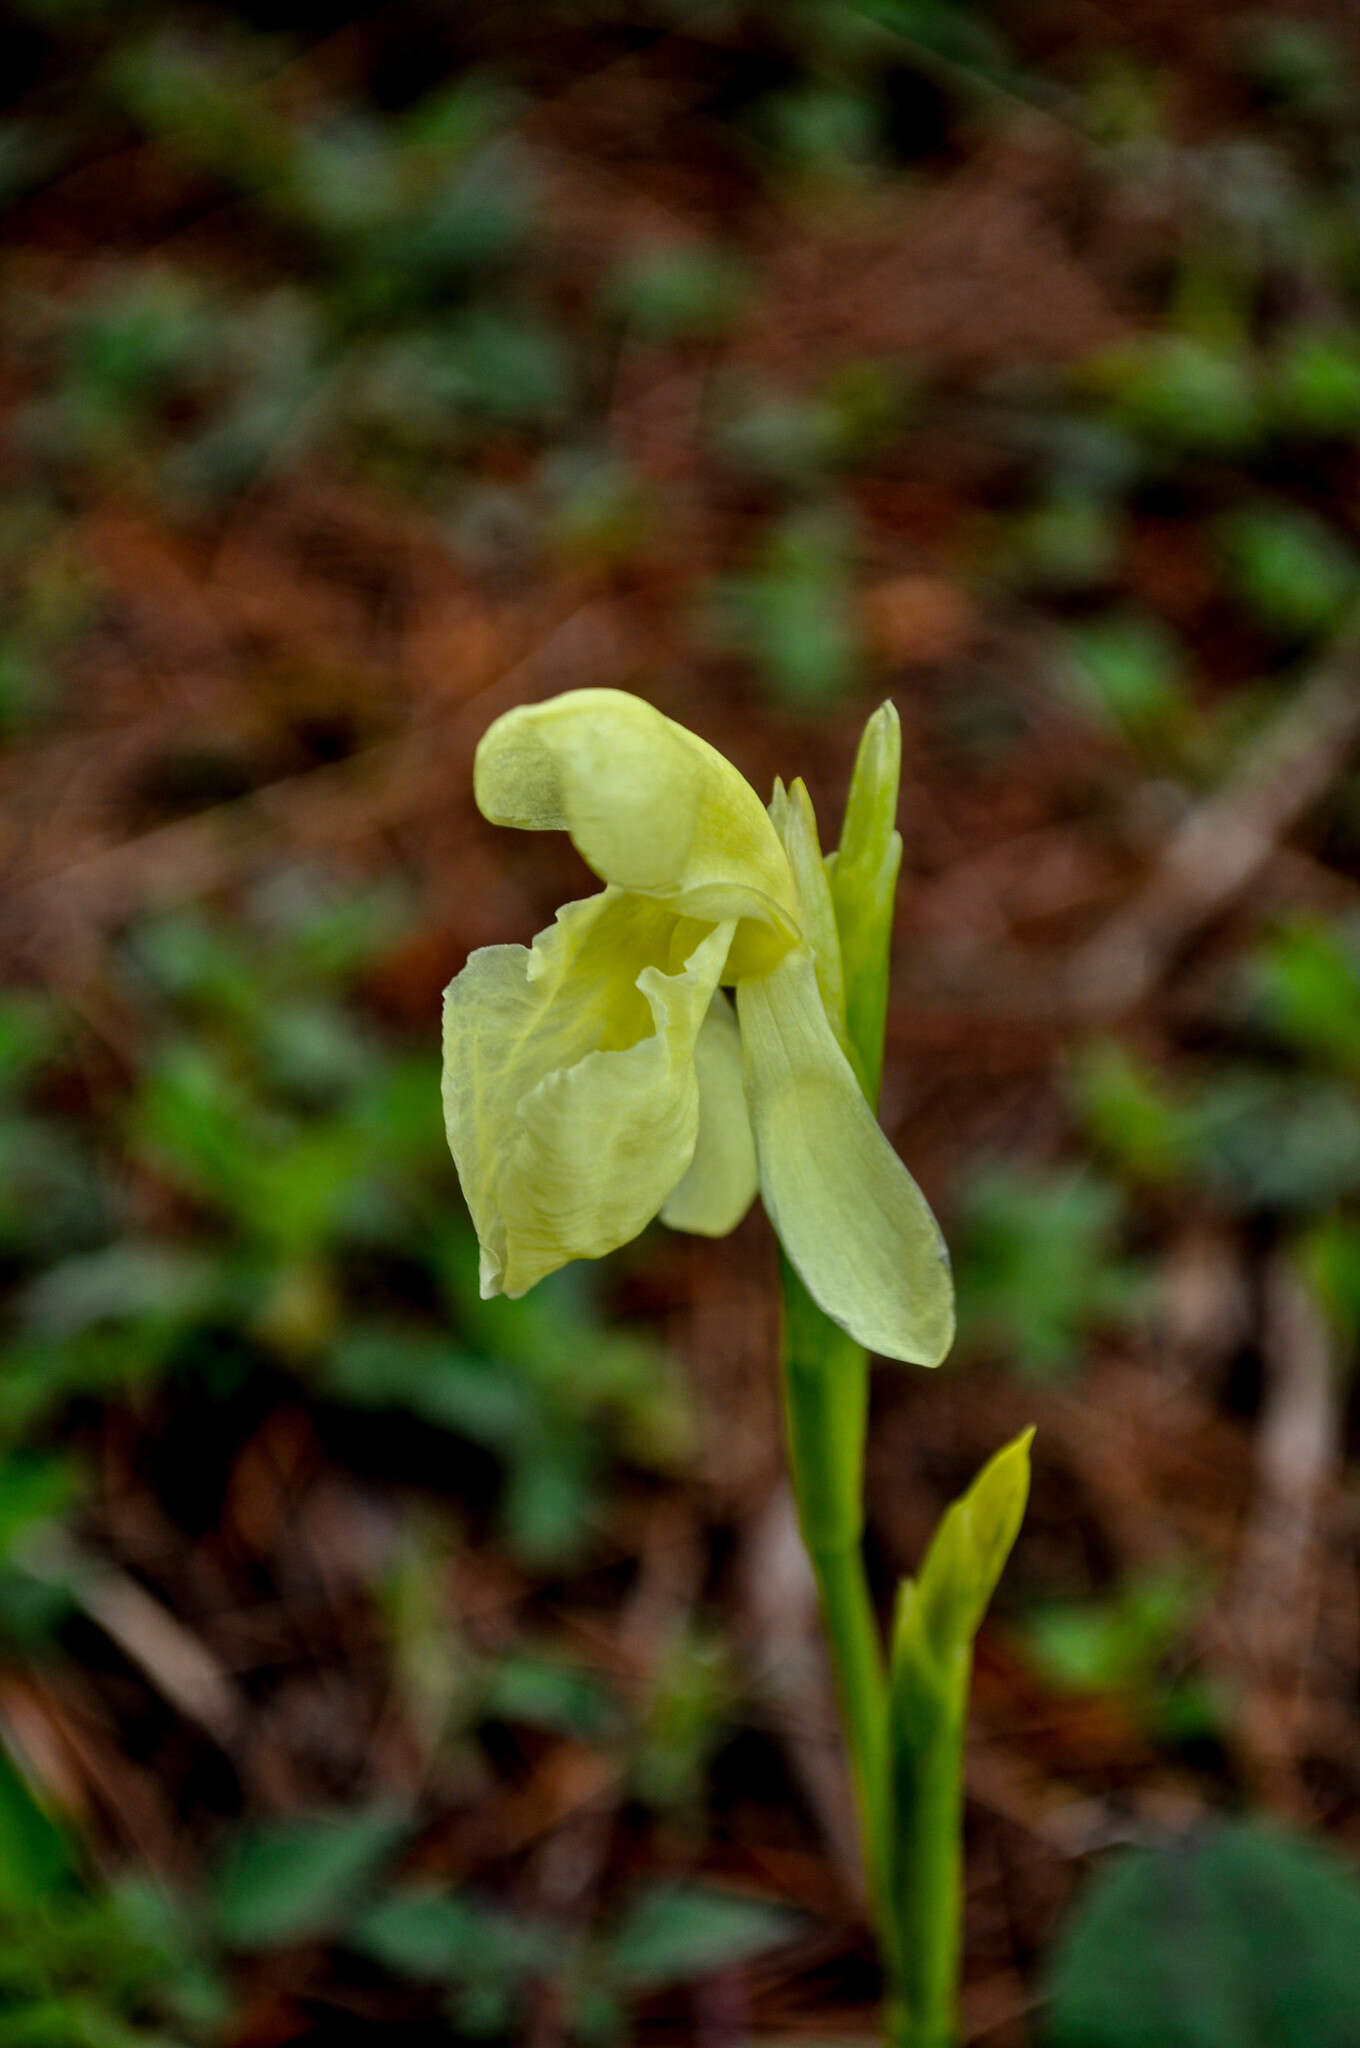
(1224, 843)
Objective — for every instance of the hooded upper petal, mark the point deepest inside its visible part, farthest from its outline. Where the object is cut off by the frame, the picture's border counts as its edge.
(650, 807)
(571, 1097)
(847, 1212)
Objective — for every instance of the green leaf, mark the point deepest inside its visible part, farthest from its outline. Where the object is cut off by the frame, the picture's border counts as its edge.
(1290, 570)
(549, 1495)
(1127, 1112)
(1266, 1140)
(374, 1365)
(445, 1936)
(1115, 1644)
(1128, 668)
(27, 1035)
(298, 1878)
(1181, 393)
(544, 1692)
(792, 614)
(50, 1198)
(36, 1855)
(1070, 541)
(1307, 978)
(514, 372)
(675, 1934)
(1239, 1937)
(35, 1488)
(1039, 1265)
(691, 292)
(1317, 383)
(968, 1553)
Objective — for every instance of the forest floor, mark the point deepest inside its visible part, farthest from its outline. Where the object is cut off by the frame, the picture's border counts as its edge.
(362, 377)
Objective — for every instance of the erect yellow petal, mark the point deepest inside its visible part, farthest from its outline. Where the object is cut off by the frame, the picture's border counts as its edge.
(796, 822)
(720, 1185)
(650, 807)
(570, 1094)
(849, 1215)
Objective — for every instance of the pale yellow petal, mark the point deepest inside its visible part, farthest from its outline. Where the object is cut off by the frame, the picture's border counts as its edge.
(848, 1214)
(720, 1184)
(570, 1093)
(796, 823)
(650, 807)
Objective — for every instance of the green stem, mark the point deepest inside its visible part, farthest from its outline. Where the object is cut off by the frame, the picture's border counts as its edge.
(826, 1402)
(929, 1724)
(857, 1665)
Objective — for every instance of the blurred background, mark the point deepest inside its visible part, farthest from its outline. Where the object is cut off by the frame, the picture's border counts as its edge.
(378, 1663)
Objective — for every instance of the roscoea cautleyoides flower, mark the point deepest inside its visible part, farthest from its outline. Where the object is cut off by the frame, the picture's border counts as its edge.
(602, 1077)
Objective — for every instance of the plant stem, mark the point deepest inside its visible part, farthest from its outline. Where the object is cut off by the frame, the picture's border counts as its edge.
(826, 1402)
(929, 1723)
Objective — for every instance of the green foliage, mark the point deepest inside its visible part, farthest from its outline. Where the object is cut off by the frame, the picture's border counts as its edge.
(1306, 983)
(1121, 1643)
(797, 442)
(541, 1691)
(1069, 541)
(1316, 387)
(1039, 1267)
(959, 31)
(831, 130)
(492, 1957)
(115, 1971)
(940, 1611)
(293, 1136)
(508, 369)
(1129, 670)
(603, 514)
(1128, 1114)
(289, 1123)
(302, 1877)
(1290, 570)
(674, 1934)
(1272, 1141)
(1328, 1252)
(1297, 64)
(1238, 1937)
(690, 292)
(82, 1969)
(1254, 1137)
(791, 615)
(37, 1858)
(1123, 101)
(681, 1720)
(937, 1617)
(1181, 394)
(206, 105)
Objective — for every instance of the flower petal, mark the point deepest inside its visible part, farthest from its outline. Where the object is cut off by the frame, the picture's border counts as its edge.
(863, 874)
(847, 1212)
(570, 1094)
(796, 823)
(720, 1184)
(650, 807)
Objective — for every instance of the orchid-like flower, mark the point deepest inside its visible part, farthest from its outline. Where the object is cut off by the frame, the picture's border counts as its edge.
(602, 1077)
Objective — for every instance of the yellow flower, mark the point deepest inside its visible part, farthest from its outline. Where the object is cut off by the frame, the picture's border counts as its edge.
(601, 1078)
